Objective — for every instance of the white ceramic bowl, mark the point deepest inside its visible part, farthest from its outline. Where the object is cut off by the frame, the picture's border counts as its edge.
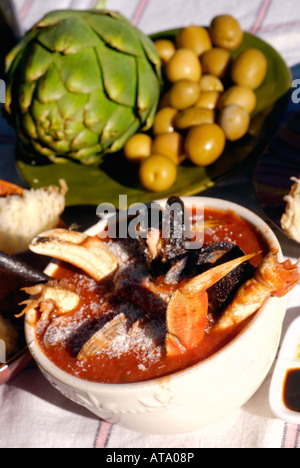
(200, 395)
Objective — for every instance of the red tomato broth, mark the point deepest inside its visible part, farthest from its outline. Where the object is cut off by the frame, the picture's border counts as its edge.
(146, 358)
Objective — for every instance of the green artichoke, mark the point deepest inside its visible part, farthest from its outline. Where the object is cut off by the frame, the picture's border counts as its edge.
(79, 84)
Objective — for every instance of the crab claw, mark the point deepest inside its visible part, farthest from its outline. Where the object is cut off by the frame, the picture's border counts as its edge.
(88, 253)
(187, 308)
(49, 298)
(271, 278)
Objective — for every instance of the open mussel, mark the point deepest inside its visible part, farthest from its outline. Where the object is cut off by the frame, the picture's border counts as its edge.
(165, 236)
(200, 260)
(221, 293)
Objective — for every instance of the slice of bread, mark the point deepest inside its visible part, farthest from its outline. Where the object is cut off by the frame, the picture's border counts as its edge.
(24, 216)
(290, 221)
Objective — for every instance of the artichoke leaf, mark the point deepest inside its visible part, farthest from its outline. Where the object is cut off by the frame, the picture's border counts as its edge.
(44, 150)
(84, 139)
(38, 62)
(80, 72)
(17, 52)
(151, 52)
(118, 124)
(119, 75)
(147, 116)
(55, 17)
(147, 84)
(26, 92)
(73, 128)
(108, 28)
(40, 112)
(71, 105)
(50, 87)
(88, 155)
(68, 36)
(57, 145)
(120, 142)
(29, 126)
(98, 111)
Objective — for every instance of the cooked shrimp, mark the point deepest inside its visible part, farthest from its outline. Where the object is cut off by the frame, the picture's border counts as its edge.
(272, 278)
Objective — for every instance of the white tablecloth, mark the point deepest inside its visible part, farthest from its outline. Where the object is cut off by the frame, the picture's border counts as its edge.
(33, 414)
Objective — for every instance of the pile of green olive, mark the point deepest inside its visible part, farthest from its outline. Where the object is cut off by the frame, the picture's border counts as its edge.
(198, 113)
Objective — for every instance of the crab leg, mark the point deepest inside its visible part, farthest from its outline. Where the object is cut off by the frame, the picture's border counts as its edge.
(49, 298)
(272, 278)
(85, 252)
(187, 308)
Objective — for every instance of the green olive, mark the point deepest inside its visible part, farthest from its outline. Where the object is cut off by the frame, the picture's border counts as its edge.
(164, 120)
(157, 173)
(184, 94)
(165, 49)
(184, 64)
(169, 145)
(235, 121)
(204, 144)
(249, 68)
(193, 116)
(216, 62)
(195, 38)
(138, 147)
(226, 32)
(208, 99)
(241, 95)
(211, 83)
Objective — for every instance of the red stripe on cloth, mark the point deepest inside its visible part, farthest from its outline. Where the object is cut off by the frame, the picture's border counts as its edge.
(273, 27)
(26, 8)
(139, 11)
(291, 434)
(261, 16)
(102, 437)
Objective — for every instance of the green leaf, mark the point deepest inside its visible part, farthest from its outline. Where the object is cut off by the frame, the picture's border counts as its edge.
(37, 62)
(87, 155)
(50, 87)
(80, 72)
(71, 105)
(119, 75)
(147, 84)
(69, 36)
(119, 34)
(55, 17)
(150, 50)
(16, 53)
(118, 124)
(29, 126)
(84, 139)
(98, 111)
(26, 91)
